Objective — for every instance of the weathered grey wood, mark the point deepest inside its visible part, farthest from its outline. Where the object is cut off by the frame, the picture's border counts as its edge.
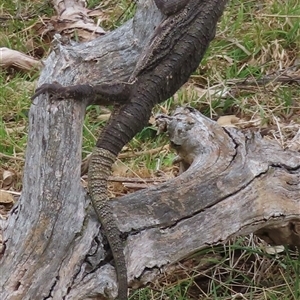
(110, 57)
(237, 183)
(49, 235)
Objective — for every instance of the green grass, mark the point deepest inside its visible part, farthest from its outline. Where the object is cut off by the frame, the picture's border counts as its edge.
(241, 269)
(14, 106)
(255, 39)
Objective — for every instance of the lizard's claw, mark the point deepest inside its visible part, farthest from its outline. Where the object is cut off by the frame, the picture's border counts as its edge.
(58, 92)
(55, 91)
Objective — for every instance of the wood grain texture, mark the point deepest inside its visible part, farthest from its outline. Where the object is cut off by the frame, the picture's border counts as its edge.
(237, 183)
(175, 51)
(52, 211)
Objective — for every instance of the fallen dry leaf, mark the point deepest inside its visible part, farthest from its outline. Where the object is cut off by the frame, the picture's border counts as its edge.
(228, 121)
(6, 198)
(7, 178)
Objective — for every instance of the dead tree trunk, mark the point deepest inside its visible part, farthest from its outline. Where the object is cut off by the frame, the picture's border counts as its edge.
(236, 183)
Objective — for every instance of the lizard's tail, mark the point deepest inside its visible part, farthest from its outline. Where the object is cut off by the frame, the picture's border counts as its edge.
(99, 171)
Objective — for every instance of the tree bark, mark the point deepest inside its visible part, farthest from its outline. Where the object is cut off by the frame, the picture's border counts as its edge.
(16, 59)
(236, 183)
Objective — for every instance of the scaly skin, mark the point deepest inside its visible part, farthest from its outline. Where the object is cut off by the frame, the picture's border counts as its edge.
(152, 83)
(103, 159)
(174, 52)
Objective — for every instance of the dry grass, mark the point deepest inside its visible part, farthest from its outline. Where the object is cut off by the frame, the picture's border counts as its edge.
(251, 71)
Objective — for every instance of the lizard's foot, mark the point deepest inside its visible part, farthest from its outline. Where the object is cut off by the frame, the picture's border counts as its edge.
(58, 92)
(101, 94)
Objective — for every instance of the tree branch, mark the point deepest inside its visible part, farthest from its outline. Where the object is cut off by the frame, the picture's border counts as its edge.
(236, 184)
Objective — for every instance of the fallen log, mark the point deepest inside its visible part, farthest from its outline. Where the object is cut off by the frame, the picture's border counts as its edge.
(235, 183)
